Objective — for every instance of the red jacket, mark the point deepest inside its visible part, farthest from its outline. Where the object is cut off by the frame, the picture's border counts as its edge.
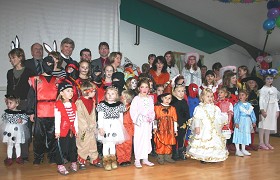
(65, 124)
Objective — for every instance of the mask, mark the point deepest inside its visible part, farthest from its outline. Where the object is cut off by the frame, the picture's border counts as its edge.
(193, 90)
(48, 65)
(133, 84)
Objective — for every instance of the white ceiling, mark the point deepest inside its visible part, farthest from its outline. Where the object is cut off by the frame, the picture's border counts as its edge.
(243, 21)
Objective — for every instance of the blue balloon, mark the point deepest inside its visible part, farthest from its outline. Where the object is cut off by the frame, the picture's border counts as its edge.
(269, 24)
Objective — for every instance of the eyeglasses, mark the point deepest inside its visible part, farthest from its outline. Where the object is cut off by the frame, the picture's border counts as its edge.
(90, 90)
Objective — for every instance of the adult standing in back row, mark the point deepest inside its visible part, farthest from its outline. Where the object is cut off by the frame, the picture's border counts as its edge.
(103, 60)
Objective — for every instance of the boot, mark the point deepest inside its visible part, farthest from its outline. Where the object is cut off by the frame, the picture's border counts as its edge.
(107, 163)
(175, 155)
(160, 159)
(114, 161)
(181, 153)
(167, 158)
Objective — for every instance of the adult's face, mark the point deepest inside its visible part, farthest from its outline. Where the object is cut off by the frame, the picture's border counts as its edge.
(104, 51)
(37, 51)
(117, 61)
(86, 56)
(67, 49)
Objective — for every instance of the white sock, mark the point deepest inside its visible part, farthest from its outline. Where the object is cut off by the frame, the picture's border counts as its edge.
(243, 147)
(18, 149)
(10, 150)
(237, 147)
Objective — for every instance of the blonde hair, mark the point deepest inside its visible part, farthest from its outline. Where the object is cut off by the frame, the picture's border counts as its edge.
(112, 88)
(224, 89)
(203, 94)
(86, 86)
(128, 95)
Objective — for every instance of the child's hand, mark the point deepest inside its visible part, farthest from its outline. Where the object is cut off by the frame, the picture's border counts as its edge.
(176, 133)
(197, 130)
(254, 124)
(264, 114)
(237, 126)
(154, 131)
(101, 131)
(57, 135)
(19, 121)
(31, 117)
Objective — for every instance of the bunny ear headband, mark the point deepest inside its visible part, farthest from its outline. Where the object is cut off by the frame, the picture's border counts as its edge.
(48, 47)
(15, 44)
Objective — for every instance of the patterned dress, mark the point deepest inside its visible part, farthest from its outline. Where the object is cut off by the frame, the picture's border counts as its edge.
(14, 132)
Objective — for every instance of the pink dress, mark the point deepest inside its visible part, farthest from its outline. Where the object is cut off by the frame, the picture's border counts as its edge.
(142, 114)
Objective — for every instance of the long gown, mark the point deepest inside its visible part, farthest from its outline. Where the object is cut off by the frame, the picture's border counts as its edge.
(209, 145)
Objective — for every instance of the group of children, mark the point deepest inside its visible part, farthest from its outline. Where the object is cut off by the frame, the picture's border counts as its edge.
(197, 126)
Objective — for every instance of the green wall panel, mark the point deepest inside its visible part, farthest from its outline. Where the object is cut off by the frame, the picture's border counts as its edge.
(173, 27)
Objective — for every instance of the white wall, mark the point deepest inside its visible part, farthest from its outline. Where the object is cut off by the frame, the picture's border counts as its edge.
(151, 42)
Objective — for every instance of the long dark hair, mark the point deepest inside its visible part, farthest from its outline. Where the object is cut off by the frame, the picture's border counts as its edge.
(162, 60)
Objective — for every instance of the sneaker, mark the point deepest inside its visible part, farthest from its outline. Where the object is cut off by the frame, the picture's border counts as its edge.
(74, 167)
(137, 164)
(269, 146)
(8, 161)
(246, 153)
(19, 160)
(264, 147)
(239, 153)
(62, 170)
(148, 163)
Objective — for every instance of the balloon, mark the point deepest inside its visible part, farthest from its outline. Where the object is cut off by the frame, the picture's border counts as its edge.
(259, 59)
(268, 59)
(264, 65)
(278, 21)
(273, 13)
(268, 24)
(272, 4)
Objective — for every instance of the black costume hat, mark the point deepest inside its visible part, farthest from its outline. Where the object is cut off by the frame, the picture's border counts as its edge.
(64, 85)
(259, 81)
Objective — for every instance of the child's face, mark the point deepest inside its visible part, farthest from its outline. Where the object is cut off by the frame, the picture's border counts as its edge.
(241, 72)
(242, 97)
(210, 78)
(54, 59)
(181, 82)
(222, 94)
(67, 94)
(268, 81)
(203, 71)
(151, 60)
(208, 98)
(179, 92)
(133, 84)
(91, 92)
(12, 105)
(252, 84)
(144, 89)
(166, 99)
(84, 68)
(160, 90)
(70, 70)
(111, 96)
(168, 58)
(233, 80)
(108, 72)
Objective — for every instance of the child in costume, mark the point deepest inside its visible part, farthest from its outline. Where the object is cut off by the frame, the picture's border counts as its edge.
(207, 143)
(124, 150)
(269, 97)
(15, 132)
(210, 83)
(243, 72)
(110, 126)
(86, 141)
(41, 100)
(165, 127)
(253, 84)
(131, 84)
(182, 111)
(226, 107)
(143, 115)
(72, 74)
(66, 128)
(244, 121)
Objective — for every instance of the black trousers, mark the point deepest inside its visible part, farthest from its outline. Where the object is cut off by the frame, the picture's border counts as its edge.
(66, 149)
(44, 139)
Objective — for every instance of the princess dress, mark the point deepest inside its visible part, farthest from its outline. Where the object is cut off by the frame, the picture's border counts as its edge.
(12, 131)
(209, 145)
